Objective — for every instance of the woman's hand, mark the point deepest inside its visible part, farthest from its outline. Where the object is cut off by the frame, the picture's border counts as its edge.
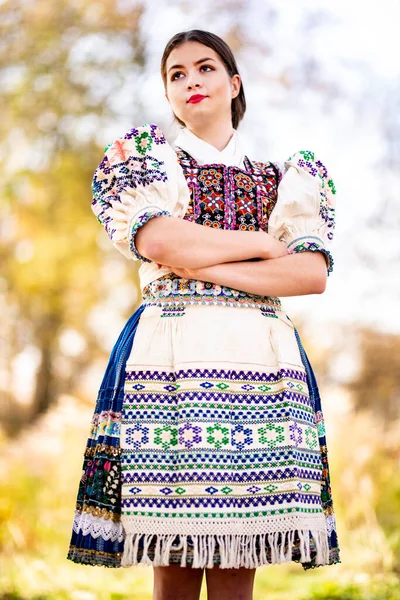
(204, 274)
(188, 273)
(270, 246)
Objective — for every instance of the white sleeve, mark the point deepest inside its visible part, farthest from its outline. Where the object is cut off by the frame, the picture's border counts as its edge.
(138, 179)
(303, 217)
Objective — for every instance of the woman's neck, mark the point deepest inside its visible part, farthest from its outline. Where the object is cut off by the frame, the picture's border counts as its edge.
(218, 136)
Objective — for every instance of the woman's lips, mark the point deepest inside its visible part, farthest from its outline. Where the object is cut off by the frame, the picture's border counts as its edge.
(196, 98)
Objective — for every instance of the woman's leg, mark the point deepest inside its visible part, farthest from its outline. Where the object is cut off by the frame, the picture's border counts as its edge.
(177, 583)
(230, 584)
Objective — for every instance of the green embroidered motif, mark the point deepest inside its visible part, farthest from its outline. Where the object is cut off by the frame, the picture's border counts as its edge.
(332, 186)
(167, 436)
(307, 155)
(264, 434)
(311, 437)
(270, 488)
(301, 247)
(264, 388)
(321, 429)
(222, 386)
(218, 435)
(143, 142)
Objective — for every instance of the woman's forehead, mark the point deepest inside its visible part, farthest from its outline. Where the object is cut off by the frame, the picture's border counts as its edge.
(189, 53)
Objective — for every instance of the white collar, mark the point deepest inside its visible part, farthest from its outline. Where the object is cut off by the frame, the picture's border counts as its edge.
(205, 153)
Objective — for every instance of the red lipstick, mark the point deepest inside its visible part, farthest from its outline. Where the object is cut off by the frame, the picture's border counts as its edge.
(196, 98)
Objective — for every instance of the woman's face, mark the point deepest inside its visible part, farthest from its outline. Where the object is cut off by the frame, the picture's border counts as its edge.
(197, 70)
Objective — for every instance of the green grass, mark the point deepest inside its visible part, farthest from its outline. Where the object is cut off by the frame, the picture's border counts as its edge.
(293, 587)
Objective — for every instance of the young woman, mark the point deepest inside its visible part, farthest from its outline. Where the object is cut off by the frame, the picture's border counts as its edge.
(207, 448)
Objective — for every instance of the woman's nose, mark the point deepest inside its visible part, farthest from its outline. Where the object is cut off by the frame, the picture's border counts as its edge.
(193, 82)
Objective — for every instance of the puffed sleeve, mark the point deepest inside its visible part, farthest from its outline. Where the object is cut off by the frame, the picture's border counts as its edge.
(303, 217)
(138, 179)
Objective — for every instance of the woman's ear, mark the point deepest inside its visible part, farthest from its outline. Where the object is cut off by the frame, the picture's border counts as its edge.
(236, 82)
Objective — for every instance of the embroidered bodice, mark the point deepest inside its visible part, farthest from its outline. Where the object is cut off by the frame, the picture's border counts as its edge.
(141, 177)
(228, 197)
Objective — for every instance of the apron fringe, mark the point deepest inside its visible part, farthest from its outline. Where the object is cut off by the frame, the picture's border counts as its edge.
(235, 550)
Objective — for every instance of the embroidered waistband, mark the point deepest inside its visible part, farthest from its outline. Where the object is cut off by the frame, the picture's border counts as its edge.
(173, 290)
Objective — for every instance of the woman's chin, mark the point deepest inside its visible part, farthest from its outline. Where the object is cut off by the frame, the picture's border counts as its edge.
(198, 117)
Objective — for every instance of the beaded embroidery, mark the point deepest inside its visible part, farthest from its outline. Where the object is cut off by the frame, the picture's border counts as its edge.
(230, 197)
(174, 291)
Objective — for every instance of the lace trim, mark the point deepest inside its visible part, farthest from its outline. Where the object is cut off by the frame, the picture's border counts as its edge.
(87, 523)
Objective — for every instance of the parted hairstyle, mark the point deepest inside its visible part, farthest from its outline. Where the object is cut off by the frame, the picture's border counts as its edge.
(225, 54)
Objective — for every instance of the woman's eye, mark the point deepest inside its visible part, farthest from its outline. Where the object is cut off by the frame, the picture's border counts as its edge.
(174, 76)
(203, 67)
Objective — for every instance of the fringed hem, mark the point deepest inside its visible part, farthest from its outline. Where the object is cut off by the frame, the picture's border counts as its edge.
(235, 551)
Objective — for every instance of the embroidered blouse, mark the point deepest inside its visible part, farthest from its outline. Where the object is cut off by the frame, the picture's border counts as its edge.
(141, 176)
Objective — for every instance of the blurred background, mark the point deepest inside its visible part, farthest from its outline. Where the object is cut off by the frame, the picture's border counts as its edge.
(76, 74)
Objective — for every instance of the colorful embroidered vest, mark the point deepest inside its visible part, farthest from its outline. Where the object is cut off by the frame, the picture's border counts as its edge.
(228, 197)
(225, 198)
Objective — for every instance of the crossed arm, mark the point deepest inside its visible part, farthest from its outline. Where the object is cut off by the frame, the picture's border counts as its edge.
(253, 262)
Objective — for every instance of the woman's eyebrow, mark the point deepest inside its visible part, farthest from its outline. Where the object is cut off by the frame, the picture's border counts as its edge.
(198, 62)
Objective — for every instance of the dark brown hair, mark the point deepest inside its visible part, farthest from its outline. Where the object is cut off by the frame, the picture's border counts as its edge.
(224, 52)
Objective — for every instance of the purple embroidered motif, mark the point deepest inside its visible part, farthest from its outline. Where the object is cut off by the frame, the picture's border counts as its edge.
(131, 134)
(157, 134)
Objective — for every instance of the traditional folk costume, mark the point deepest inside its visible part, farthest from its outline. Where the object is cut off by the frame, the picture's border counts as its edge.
(207, 444)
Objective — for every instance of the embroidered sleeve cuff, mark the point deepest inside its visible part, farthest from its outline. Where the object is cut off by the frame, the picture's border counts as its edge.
(312, 244)
(138, 220)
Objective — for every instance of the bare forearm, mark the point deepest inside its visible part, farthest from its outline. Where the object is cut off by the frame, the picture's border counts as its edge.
(174, 241)
(292, 275)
